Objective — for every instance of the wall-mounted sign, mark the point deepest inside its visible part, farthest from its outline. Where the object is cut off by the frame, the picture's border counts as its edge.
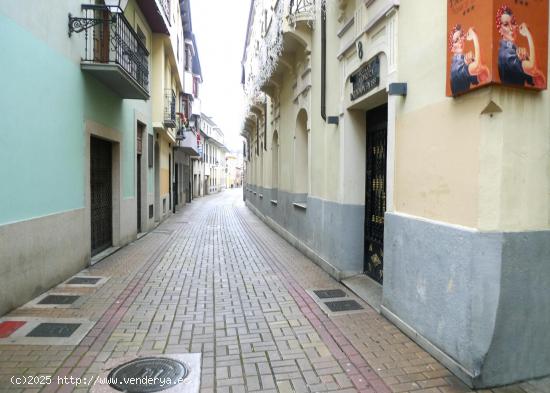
(366, 78)
(496, 42)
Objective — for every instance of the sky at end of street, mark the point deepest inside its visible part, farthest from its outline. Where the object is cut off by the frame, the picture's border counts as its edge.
(220, 29)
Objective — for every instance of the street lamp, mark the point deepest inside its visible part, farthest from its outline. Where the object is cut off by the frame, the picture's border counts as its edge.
(116, 6)
(78, 24)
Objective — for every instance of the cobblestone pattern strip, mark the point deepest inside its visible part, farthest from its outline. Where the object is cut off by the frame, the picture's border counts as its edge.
(355, 366)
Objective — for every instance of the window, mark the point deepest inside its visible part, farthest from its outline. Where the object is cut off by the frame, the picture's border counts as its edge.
(195, 87)
(188, 57)
(186, 106)
(142, 37)
(275, 161)
(301, 155)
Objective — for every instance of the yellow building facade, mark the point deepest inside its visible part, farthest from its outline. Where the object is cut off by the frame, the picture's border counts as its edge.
(167, 79)
(438, 206)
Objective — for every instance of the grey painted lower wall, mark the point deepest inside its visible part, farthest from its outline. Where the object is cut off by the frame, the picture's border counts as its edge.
(38, 254)
(328, 232)
(483, 299)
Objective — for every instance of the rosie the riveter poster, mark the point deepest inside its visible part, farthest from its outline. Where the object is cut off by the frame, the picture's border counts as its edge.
(496, 42)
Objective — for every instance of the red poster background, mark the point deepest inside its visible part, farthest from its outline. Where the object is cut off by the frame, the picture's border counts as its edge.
(480, 15)
(534, 13)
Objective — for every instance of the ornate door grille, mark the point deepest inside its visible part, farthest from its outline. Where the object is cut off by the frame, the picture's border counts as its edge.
(375, 192)
(101, 194)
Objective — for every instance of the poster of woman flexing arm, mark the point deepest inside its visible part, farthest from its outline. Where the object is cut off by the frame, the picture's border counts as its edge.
(469, 46)
(522, 46)
(467, 69)
(496, 42)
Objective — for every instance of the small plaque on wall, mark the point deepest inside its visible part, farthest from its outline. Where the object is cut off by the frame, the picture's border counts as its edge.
(366, 78)
(502, 42)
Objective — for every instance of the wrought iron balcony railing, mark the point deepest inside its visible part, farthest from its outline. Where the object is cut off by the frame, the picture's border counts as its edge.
(301, 7)
(166, 7)
(169, 108)
(113, 41)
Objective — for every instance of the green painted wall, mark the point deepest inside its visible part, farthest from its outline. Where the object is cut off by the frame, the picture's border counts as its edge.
(45, 100)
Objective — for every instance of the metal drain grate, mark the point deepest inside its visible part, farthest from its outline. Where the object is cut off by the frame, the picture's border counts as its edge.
(59, 299)
(329, 293)
(154, 375)
(343, 305)
(54, 330)
(83, 280)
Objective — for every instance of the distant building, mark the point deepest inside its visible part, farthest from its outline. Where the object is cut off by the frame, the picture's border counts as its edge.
(209, 176)
(233, 169)
(187, 151)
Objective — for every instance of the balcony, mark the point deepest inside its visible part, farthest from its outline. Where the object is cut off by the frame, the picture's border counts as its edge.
(186, 141)
(287, 36)
(188, 81)
(169, 108)
(157, 13)
(113, 52)
(301, 11)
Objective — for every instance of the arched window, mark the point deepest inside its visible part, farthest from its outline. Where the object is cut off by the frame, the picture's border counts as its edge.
(275, 162)
(301, 155)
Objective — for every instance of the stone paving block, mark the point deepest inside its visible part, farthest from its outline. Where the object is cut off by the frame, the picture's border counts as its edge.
(225, 285)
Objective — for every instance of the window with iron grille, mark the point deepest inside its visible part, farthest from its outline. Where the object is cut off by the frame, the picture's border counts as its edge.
(169, 108)
(188, 57)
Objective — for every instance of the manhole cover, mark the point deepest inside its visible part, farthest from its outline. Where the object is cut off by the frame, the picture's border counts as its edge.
(83, 281)
(147, 375)
(58, 299)
(54, 330)
(344, 305)
(329, 293)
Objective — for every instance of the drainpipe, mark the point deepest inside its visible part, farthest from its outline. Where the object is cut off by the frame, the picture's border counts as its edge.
(265, 123)
(323, 60)
(173, 181)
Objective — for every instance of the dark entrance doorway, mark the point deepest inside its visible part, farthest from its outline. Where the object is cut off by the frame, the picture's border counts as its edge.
(101, 195)
(170, 182)
(375, 191)
(157, 181)
(187, 180)
(176, 185)
(138, 193)
(139, 151)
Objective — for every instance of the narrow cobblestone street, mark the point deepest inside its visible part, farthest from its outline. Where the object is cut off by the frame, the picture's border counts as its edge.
(214, 279)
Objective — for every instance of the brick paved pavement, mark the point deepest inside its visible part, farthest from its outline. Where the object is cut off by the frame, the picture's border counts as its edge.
(214, 279)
